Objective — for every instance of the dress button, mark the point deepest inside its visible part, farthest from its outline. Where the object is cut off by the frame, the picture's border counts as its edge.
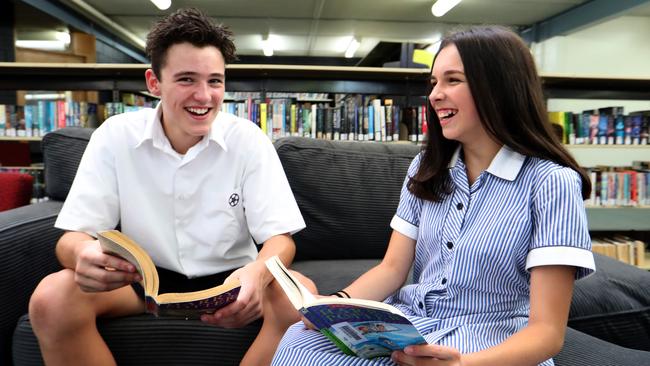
(450, 245)
(444, 280)
(420, 305)
(459, 206)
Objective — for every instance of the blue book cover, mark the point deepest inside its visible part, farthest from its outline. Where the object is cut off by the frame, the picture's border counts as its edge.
(359, 327)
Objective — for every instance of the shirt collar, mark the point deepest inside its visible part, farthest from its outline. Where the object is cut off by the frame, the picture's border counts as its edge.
(154, 131)
(217, 130)
(506, 164)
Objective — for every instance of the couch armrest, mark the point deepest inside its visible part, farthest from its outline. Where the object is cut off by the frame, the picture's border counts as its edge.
(613, 304)
(27, 241)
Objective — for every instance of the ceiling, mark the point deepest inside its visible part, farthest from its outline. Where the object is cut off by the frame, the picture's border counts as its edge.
(321, 28)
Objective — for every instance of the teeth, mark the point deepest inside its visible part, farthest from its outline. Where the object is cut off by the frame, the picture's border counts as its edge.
(446, 113)
(199, 111)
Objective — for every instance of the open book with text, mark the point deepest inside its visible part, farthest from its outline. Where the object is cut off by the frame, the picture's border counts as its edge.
(184, 304)
(363, 328)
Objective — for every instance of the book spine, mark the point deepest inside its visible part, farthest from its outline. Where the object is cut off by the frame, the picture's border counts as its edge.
(337, 342)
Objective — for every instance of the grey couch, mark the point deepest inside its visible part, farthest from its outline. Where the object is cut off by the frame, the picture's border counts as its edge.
(347, 193)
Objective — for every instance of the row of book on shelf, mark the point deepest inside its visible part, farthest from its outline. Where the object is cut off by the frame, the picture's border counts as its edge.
(620, 186)
(348, 117)
(604, 126)
(38, 117)
(621, 247)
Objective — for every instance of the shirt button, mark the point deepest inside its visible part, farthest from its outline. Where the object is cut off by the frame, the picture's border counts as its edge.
(420, 305)
(459, 206)
(450, 245)
(444, 280)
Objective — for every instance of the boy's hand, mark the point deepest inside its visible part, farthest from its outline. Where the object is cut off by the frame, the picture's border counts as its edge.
(96, 271)
(248, 306)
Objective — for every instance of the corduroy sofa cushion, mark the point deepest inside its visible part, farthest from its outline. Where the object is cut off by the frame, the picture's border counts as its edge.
(347, 193)
(27, 238)
(146, 340)
(614, 304)
(62, 152)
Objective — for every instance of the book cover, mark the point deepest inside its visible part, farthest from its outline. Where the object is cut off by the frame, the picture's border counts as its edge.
(185, 304)
(362, 328)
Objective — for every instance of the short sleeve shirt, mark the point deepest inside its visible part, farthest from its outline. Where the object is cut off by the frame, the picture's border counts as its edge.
(476, 246)
(197, 213)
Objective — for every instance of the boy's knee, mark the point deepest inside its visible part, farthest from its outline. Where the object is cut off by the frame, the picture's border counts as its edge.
(53, 298)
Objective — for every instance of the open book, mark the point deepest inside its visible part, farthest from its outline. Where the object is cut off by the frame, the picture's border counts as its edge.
(185, 304)
(358, 327)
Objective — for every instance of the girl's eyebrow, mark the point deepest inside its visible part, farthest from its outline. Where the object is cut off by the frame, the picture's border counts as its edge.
(449, 72)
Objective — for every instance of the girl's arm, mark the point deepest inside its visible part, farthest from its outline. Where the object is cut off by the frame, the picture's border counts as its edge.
(551, 288)
(388, 276)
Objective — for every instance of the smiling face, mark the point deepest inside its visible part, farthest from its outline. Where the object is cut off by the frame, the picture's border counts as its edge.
(452, 99)
(191, 86)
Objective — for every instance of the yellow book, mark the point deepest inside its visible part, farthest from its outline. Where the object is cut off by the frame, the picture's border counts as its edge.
(263, 118)
(184, 304)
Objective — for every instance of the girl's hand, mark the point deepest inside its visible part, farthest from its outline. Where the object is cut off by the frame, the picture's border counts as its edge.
(427, 355)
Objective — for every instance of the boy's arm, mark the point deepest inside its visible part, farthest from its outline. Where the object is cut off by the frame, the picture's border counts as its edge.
(254, 278)
(94, 270)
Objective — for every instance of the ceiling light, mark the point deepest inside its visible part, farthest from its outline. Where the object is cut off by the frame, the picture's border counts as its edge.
(42, 45)
(162, 4)
(267, 46)
(63, 37)
(352, 48)
(441, 7)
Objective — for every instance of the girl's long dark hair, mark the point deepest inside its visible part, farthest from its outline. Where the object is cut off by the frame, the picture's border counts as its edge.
(507, 92)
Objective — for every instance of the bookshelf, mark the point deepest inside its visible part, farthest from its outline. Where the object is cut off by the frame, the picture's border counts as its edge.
(20, 139)
(410, 83)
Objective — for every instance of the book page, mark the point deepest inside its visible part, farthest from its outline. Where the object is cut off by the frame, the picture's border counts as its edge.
(115, 243)
(295, 291)
(209, 293)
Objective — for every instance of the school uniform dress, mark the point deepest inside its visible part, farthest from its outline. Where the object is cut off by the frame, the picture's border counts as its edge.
(196, 214)
(471, 279)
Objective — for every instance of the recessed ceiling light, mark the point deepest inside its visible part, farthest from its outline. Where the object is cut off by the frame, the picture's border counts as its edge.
(441, 7)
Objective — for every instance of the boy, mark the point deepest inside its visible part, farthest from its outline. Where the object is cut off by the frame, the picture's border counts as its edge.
(193, 185)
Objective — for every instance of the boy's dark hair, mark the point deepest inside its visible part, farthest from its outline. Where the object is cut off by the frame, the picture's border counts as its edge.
(507, 92)
(187, 25)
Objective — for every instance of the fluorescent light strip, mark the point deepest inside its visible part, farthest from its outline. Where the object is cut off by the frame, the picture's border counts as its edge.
(441, 7)
(267, 46)
(352, 48)
(42, 45)
(162, 4)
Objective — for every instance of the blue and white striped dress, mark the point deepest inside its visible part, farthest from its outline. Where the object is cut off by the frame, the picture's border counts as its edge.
(471, 278)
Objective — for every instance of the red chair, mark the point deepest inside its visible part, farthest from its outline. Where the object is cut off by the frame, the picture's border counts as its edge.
(15, 190)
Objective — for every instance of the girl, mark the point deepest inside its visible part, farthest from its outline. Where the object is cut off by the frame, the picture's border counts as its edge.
(491, 216)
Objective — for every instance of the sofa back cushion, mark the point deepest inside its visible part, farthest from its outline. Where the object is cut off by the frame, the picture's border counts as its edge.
(347, 193)
(62, 152)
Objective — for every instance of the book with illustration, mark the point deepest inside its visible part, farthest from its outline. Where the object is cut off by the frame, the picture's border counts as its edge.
(184, 304)
(362, 328)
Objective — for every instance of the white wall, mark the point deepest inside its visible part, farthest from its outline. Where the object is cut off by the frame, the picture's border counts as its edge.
(615, 48)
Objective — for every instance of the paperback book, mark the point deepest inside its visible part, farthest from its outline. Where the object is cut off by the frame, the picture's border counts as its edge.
(358, 327)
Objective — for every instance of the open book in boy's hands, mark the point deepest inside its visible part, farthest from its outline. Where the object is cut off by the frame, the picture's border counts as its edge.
(358, 327)
(185, 304)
